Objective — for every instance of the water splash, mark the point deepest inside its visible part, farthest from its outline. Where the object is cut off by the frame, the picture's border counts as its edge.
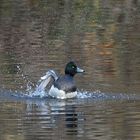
(109, 96)
(38, 90)
(88, 95)
(43, 85)
(29, 83)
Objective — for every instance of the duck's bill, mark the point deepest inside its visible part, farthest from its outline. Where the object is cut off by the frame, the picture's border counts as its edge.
(80, 70)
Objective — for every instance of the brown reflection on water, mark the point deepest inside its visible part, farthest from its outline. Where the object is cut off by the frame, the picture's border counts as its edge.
(101, 36)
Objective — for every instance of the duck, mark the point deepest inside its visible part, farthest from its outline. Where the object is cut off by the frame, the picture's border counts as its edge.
(64, 86)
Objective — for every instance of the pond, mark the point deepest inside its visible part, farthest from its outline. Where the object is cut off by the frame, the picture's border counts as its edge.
(102, 37)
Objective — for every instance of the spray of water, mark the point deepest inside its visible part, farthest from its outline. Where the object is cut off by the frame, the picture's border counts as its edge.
(29, 83)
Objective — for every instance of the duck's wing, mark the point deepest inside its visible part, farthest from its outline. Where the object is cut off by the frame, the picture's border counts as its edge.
(45, 80)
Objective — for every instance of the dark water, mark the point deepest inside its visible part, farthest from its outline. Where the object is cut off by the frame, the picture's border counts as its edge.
(102, 37)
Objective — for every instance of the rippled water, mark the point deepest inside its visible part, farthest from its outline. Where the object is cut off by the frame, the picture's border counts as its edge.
(102, 37)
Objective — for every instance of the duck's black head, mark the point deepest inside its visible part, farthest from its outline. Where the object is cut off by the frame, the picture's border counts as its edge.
(72, 69)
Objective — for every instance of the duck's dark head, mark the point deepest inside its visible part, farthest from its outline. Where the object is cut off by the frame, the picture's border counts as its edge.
(72, 69)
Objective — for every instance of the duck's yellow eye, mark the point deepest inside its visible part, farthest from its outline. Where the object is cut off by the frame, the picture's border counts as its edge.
(73, 67)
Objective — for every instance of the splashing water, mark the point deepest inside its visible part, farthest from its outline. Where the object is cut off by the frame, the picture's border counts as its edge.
(41, 87)
(29, 84)
(101, 95)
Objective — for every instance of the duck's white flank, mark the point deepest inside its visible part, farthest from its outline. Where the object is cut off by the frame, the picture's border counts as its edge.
(60, 94)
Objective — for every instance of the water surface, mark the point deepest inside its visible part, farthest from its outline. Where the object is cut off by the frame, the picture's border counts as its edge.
(102, 37)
